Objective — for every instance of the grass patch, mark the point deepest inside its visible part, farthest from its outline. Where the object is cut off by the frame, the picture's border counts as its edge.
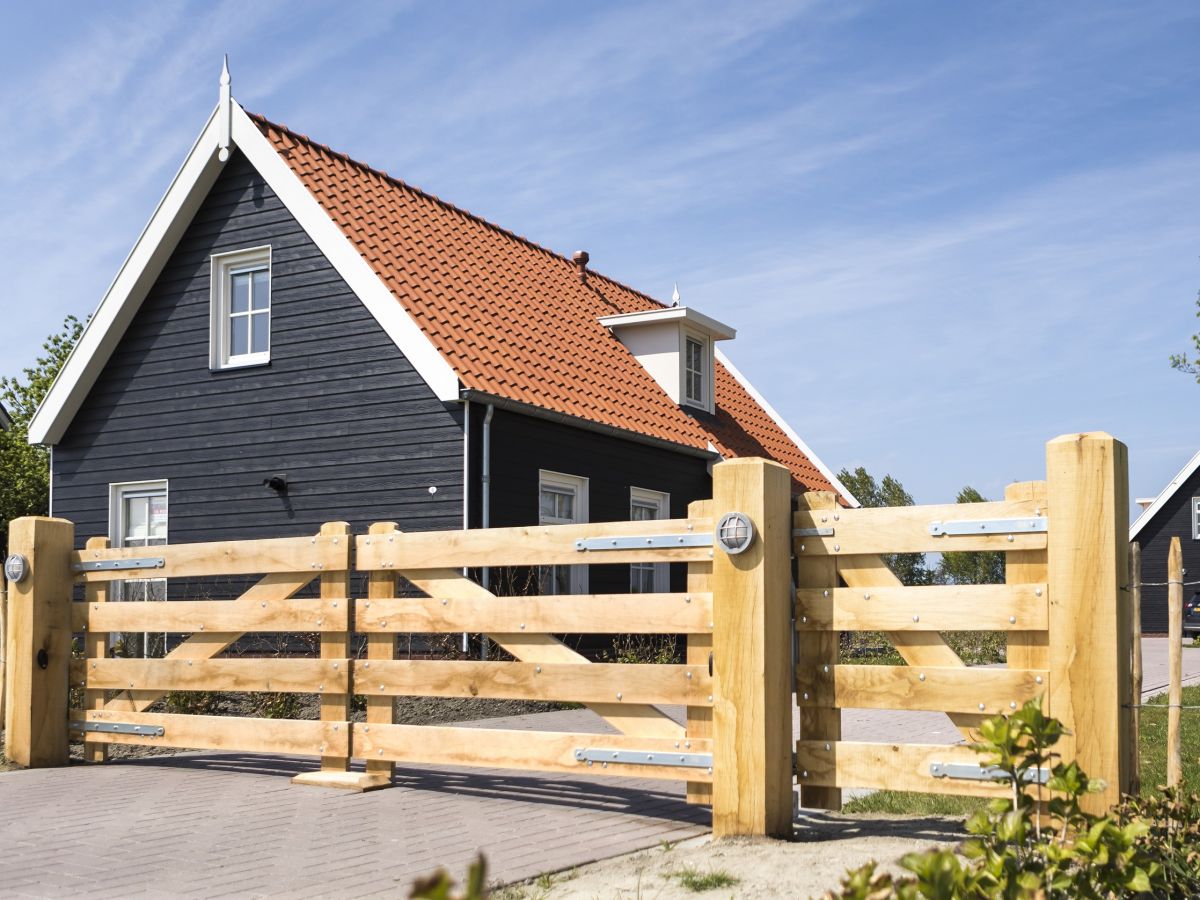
(698, 882)
(1153, 752)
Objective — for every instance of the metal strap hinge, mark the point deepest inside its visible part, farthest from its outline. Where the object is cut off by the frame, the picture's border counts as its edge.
(119, 728)
(109, 565)
(975, 772)
(592, 755)
(812, 532)
(990, 526)
(649, 542)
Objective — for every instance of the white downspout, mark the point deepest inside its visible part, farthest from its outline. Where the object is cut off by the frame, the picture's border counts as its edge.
(466, 516)
(486, 504)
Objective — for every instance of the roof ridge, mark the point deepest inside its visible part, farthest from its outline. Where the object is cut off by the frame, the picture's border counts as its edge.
(404, 185)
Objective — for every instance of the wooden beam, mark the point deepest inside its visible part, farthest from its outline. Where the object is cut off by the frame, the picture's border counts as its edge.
(544, 751)
(1087, 491)
(686, 613)
(39, 643)
(905, 529)
(1174, 663)
(1135, 639)
(816, 585)
(209, 616)
(380, 648)
(305, 738)
(336, 707)
(1028, 647)
(300, 676)
(525, 546)
(896, 767)
(981, 607)
(987, 691)
(699, 653)
(301, 554)
(752, 651)
(95, 646)
(570, 682)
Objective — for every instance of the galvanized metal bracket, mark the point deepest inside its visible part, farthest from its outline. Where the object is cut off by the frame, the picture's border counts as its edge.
(989, 526)
(649, 542)
(110, 565)
(591, 755)
(812, 532)
(975, 772)
(120, 728)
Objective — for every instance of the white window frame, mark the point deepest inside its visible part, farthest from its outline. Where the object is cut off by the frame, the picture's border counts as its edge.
(578, 485)
(224, 267)
(706, 374)
(662, 503)
(1196, 518)
(117, 494)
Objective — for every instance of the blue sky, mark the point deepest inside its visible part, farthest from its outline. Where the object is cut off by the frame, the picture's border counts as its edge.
(946, 232)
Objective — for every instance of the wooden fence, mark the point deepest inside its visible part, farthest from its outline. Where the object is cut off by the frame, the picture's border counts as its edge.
(734, 747)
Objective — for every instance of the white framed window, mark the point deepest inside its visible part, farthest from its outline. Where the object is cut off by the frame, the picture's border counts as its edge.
(696, 370)
(240, 330)
(562, 500)
(646, 505)
(1196, 518)
(137, 516)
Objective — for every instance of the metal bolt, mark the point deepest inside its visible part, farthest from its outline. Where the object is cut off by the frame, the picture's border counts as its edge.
(689, 526)
(806, 695)
(801, 548)
(537, 669)
(381, 752)
(1012, 620)
(687, 599)
(689, 675)
(522, 626)
(1037, 592)
(804, 774)
(366, 665)
(604, 765)
(383, 624)
(1012, 704)
(263, 604)
(825, 668)
(1038, 679)
(1037, 512)
(1011, 538)
(649, 757)
(710, 698)
(827, 747)
(826, 593)
(981, 707)
(837, 547)
(381, 687)
(688, 744)
(201, 626)
(366, 728)
(804, 619)
(916, 618)
(866, 596)
(921, 677)
(335, 604)
(618, 695)
(320, 621)
(335, 665)
(320, 687)
(391, 539)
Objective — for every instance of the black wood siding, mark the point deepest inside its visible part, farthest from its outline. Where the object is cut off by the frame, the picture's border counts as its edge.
(523, 445)
(338, 409)
(1174, 519)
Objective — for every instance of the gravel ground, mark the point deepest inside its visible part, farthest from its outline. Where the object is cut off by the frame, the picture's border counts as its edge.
(823, 848)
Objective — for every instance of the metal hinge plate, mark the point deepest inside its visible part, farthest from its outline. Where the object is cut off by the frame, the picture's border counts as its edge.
(109, 565)
(989, 526)
(649, 542)
(975, 772)
(644, 758)
(812, 532)
(120, 728)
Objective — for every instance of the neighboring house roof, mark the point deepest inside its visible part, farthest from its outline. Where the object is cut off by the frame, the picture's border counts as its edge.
(1163, 498)
(470, 304)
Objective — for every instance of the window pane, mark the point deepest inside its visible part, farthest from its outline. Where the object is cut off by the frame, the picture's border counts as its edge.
(239, 299)
(158, 518)
(136, 521)
(261, 295)
(557, 504)
(642, 511)
(641, 578)
(260, 332)
(239, 337)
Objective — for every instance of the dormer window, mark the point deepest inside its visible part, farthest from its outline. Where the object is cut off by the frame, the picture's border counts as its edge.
(241, 309)
(675, 345)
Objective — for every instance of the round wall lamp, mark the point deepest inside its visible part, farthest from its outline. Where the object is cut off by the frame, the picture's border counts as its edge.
(16, 567)
(735, 532)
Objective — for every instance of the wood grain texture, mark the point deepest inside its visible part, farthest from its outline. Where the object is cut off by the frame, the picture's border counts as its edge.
(1135, 639)
(982, 607)
(699, 653)
(335, 645)
(35, 722)
(95, 646)
(817, 576)
(380, 648)
(544, 751)
(752, 714)
(905, 529)
(1087, 490)
(209, 616)
(987, 691)
(305, 738)
(1174, 663)
(1028, 647)
(303, 676)
(897, 767)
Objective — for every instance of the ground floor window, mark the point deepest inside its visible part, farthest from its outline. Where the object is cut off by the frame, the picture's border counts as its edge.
(138, 518)
(646, 505)
(1196, 518)
(562, 500)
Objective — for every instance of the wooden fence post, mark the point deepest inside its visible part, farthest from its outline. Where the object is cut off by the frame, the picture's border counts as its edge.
(1087, 486)
(1135, 690)
(380, 710)
(1174, 662)
(752, 653)
(699, 651)
(39, 643)
(95, 645)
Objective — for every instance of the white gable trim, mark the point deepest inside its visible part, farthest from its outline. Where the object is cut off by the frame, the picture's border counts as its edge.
(1167, 493)
(158, 240)
(787, 429)
(344, 256)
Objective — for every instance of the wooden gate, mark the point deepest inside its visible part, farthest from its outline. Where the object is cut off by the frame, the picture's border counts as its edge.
(732, 741)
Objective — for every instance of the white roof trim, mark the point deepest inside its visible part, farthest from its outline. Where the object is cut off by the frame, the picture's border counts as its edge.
(157, 241)
(787, 429)
(1167, 493)
(718, 331)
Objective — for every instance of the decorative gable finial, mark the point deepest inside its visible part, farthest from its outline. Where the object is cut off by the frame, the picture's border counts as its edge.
(675, 295)
(225, 113)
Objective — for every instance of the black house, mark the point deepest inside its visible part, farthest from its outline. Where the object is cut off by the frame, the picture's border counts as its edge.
(1173, 513)
(298, 338)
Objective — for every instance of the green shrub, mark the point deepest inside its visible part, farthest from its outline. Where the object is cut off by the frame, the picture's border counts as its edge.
(1173, 838)
(1018, 850)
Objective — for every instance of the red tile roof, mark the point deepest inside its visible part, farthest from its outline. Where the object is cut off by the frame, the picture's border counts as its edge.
(513, 319)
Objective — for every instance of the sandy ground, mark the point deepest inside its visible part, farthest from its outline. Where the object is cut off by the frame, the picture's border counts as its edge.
(825, 846)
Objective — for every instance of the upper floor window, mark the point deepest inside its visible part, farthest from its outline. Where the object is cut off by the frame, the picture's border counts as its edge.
(695, 371)
(1196, 518)
(241, 308)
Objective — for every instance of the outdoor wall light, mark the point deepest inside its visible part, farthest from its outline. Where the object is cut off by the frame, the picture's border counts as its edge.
(735, 532)
(277, 483)
(16, 567)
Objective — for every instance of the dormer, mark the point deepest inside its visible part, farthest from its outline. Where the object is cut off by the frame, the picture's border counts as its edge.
(675, 344)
